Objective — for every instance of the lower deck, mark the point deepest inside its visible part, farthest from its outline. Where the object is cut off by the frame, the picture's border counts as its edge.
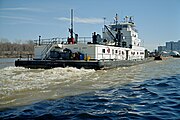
(94, 64)
(47, 64)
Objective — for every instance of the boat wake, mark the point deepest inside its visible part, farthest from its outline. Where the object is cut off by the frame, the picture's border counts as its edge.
(21, 85)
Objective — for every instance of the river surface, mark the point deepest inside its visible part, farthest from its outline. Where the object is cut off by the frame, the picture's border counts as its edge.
(146, 91)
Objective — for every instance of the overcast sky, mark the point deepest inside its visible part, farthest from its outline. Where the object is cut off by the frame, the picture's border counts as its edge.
(157, 21)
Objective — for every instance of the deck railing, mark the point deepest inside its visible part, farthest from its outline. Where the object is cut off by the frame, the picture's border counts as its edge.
(49, 43)
(61, 40)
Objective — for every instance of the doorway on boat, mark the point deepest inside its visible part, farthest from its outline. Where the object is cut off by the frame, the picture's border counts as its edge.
(127, 51)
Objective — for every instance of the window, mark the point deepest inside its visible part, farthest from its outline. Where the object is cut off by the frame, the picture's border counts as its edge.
(133, 53)
(103, 50)
(113, 51)
(123, 44)
(119, 52)
(125, 26)
(122, 52)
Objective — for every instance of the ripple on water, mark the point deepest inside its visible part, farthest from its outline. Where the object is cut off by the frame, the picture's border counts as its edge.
(149, 94)
(142, 100)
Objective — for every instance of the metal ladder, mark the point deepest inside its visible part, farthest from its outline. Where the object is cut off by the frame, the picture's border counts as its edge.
(46, 50)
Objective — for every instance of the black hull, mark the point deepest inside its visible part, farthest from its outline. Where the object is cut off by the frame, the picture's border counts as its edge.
(47, 64)
(176, 56)
(97, 65)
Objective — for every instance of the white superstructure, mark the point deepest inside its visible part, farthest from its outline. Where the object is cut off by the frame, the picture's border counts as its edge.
(119, 41)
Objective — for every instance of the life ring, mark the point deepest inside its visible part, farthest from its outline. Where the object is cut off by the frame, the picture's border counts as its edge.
(108, 50)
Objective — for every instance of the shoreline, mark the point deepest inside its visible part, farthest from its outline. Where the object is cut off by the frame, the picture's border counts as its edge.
(13, 56)
(21, 55)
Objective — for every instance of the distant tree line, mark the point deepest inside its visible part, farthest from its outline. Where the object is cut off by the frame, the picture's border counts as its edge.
(14, 50)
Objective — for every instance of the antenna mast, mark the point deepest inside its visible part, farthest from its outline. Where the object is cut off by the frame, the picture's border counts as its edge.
(71, 39)
(71, 30)
(116, 19)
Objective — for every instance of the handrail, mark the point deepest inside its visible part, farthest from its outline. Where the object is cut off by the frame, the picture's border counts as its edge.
(50, 42)
(62, 40)
(46, 49)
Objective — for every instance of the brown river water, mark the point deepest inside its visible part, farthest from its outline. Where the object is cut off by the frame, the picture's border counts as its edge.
(21, 86)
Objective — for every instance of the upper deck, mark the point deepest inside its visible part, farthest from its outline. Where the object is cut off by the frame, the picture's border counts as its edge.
(59, 40)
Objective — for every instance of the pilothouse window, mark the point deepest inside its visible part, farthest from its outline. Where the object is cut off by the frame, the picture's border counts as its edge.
(125, 26)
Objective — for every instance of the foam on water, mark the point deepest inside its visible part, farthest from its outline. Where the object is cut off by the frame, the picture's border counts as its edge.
(153, 99)
(20, 86)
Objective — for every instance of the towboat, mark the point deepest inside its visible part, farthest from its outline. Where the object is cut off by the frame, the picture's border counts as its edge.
(119, 46)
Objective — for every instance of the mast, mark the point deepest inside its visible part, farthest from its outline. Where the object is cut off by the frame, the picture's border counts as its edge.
(116, 19)
(71, 39)
(71, 29)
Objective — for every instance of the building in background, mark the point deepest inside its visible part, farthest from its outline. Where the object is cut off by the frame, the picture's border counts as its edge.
(170, 46)
(173, 46)
(161, 48)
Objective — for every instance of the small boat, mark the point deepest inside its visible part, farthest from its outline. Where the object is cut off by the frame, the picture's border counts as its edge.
(158, 57)
(119, 46)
